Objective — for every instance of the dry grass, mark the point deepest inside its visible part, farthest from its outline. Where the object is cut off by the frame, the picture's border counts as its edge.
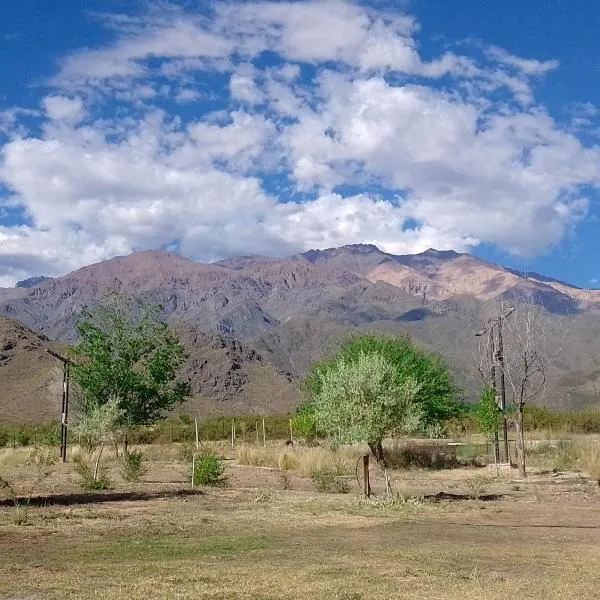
(234, 544)
(589, 452)
(305, 460)
(256, 541)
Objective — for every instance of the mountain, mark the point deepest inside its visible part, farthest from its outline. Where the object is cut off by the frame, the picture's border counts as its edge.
(263, 320)
(32, 282)
(30, 379)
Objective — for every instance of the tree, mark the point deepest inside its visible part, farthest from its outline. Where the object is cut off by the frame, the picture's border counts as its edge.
(487, 415)
(129, 354)
(532, 344)
(437, 392)
(363, 400)
(96, 425)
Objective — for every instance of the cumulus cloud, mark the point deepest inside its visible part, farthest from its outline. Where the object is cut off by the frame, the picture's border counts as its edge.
(61, 108)
(318, 123)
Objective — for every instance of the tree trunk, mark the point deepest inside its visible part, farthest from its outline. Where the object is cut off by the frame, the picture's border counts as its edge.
(97, 465)
(521, 441)
(125, 444)
(377, 450)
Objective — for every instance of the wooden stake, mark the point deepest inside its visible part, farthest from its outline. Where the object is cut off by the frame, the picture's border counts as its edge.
(264, 433)
(291, 433)
(233, 433)
(197, 438)
(366, 477)
(257, 441)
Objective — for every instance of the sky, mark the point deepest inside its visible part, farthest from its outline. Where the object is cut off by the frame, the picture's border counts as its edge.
(217, 129)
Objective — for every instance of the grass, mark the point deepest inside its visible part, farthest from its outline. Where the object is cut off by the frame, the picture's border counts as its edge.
(258, 540)
(229, 545)
(305, 460)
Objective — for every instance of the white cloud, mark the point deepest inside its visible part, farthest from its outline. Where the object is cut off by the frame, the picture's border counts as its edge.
(61, 108)
(528, 66)
(187, 95)
(257, 166)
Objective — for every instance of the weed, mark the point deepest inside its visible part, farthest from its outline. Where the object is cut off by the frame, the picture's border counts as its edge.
(478, 485)
(287, 461)
(91, 478)
(286, 482)
(329, 482)
(207, 469)
(394, 501)
(134, 466)
(263, 496)
(43, 462)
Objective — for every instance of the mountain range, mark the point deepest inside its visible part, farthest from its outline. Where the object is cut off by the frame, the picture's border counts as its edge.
(252, 325)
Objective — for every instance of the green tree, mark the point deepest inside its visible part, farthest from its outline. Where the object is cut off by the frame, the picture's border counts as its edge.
(437, 391)
(363, 401)
(130, 354)
(487, 416)
(97, 425)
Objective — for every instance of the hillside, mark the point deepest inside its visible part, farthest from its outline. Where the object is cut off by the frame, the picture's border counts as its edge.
(249, 320)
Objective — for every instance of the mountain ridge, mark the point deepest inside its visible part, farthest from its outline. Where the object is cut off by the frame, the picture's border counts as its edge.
(293, 310)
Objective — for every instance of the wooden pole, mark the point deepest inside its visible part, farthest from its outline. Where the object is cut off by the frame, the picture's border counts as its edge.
(197, 438)
(257, 440)
(500, 355)
(63, 417)
(291, 433)
(366, 477)
(264, 433)
(233, 433)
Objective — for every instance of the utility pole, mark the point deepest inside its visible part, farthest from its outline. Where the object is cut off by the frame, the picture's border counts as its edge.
(498, 355)
(494, 386)
(65, 403)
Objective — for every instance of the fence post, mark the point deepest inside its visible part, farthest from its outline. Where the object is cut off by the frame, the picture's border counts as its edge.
(233, 433)
(366, 477)
(264, 433)
(197, 438)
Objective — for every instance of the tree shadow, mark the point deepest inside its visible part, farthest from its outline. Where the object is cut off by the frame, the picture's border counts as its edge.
(99, 497)
(457, 497)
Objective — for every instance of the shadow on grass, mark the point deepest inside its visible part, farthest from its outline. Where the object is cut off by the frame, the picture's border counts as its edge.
(448, 496)
(99, 497)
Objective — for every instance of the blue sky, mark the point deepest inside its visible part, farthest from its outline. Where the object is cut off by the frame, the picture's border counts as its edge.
(274, 127)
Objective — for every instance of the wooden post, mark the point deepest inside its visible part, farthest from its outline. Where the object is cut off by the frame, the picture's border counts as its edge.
(264, 433)
(64, 419)
(197, 438)
(366, 477)
(193, 468)
(257, 440)
(233, 433)
(291, 433)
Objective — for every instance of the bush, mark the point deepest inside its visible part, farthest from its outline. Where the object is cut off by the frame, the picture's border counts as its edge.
(88, 480)
(562, 456)
(330, 482)
(134, 466)
(207, 469)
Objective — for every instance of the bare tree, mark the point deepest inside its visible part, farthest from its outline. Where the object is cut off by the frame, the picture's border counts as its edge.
(532, 344)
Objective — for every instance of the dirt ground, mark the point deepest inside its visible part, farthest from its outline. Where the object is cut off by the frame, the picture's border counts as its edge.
(461, 533)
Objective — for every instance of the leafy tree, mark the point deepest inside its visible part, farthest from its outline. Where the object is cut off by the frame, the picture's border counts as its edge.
(437, 392)
(303, 422)
(364, 401)
(486, 414)
(96, 425)
(129, 355)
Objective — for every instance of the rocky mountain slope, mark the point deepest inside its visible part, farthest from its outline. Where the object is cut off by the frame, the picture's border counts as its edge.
(280, 314)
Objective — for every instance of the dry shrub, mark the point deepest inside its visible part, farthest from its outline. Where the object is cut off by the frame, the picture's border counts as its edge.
(430, 456)
(306, 460)
(589, 451)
